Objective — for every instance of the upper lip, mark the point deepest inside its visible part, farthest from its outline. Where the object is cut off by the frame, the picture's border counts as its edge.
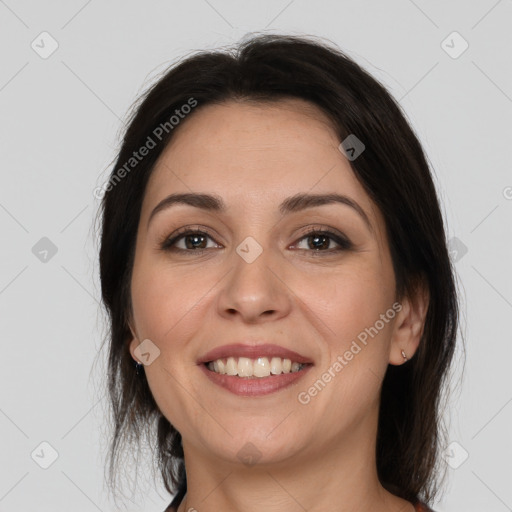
(252, 351)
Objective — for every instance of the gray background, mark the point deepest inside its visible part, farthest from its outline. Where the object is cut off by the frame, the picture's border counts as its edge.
(60, 118)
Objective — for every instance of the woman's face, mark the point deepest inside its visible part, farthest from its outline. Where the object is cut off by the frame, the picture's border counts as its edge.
(265, 276)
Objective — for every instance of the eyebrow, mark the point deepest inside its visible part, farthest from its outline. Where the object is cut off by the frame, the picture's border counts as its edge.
(291, 204)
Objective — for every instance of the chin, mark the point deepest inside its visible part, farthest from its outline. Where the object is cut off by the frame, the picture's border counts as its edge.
(256, 448)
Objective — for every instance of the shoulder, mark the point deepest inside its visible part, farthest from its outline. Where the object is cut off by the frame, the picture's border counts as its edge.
(421, 507)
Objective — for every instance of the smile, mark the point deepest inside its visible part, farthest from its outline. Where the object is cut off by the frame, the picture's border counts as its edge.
(246, 383)
(254, 368)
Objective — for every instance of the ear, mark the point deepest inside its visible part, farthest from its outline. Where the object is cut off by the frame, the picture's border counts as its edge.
(409, 325)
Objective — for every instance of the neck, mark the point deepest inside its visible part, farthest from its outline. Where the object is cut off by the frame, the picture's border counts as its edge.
(315, 479)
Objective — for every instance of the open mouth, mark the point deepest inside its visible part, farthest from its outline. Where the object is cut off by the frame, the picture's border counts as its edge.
(261, 367)
(252, 370)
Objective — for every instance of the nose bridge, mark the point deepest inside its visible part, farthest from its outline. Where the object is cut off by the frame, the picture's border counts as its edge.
(252, 288)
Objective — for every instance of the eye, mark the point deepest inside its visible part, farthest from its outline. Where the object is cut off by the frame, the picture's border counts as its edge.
(318, 240)
(193, 241)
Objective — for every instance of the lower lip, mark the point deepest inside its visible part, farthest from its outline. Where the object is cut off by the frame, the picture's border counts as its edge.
(256, 386)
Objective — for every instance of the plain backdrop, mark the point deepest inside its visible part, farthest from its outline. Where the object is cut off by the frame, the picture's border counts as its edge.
(69, 73)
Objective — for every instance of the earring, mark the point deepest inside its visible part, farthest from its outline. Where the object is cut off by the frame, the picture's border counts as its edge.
(138, 368)
(404, 356)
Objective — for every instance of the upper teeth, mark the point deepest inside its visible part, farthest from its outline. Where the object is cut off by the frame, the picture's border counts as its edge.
(260, 367)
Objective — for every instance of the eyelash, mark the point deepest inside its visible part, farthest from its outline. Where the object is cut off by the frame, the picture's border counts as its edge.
(167, 244)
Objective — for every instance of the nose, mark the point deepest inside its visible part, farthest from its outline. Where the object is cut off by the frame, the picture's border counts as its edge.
(255, 290)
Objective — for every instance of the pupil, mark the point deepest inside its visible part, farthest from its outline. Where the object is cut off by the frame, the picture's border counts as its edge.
(315, 240)
(195, 238)
(200, 239)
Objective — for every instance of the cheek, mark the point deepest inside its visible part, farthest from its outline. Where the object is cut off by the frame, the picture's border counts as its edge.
(356, 307)
(171, 305)
(349, 300)
(350, 303)
(167, 305)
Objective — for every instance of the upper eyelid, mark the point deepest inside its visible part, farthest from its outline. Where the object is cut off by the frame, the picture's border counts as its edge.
(190, 230)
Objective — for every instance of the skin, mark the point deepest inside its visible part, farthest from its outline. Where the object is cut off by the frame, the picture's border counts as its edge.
(255, 155)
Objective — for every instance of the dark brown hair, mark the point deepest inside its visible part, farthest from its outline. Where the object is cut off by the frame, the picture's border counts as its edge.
(394, 172)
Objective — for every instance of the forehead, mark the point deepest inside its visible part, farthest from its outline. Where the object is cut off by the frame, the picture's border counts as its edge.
(255, 154)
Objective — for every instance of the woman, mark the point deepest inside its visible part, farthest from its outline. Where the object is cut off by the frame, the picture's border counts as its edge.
(273, 262)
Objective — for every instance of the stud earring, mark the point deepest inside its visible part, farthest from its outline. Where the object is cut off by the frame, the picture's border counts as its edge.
(404, 356)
